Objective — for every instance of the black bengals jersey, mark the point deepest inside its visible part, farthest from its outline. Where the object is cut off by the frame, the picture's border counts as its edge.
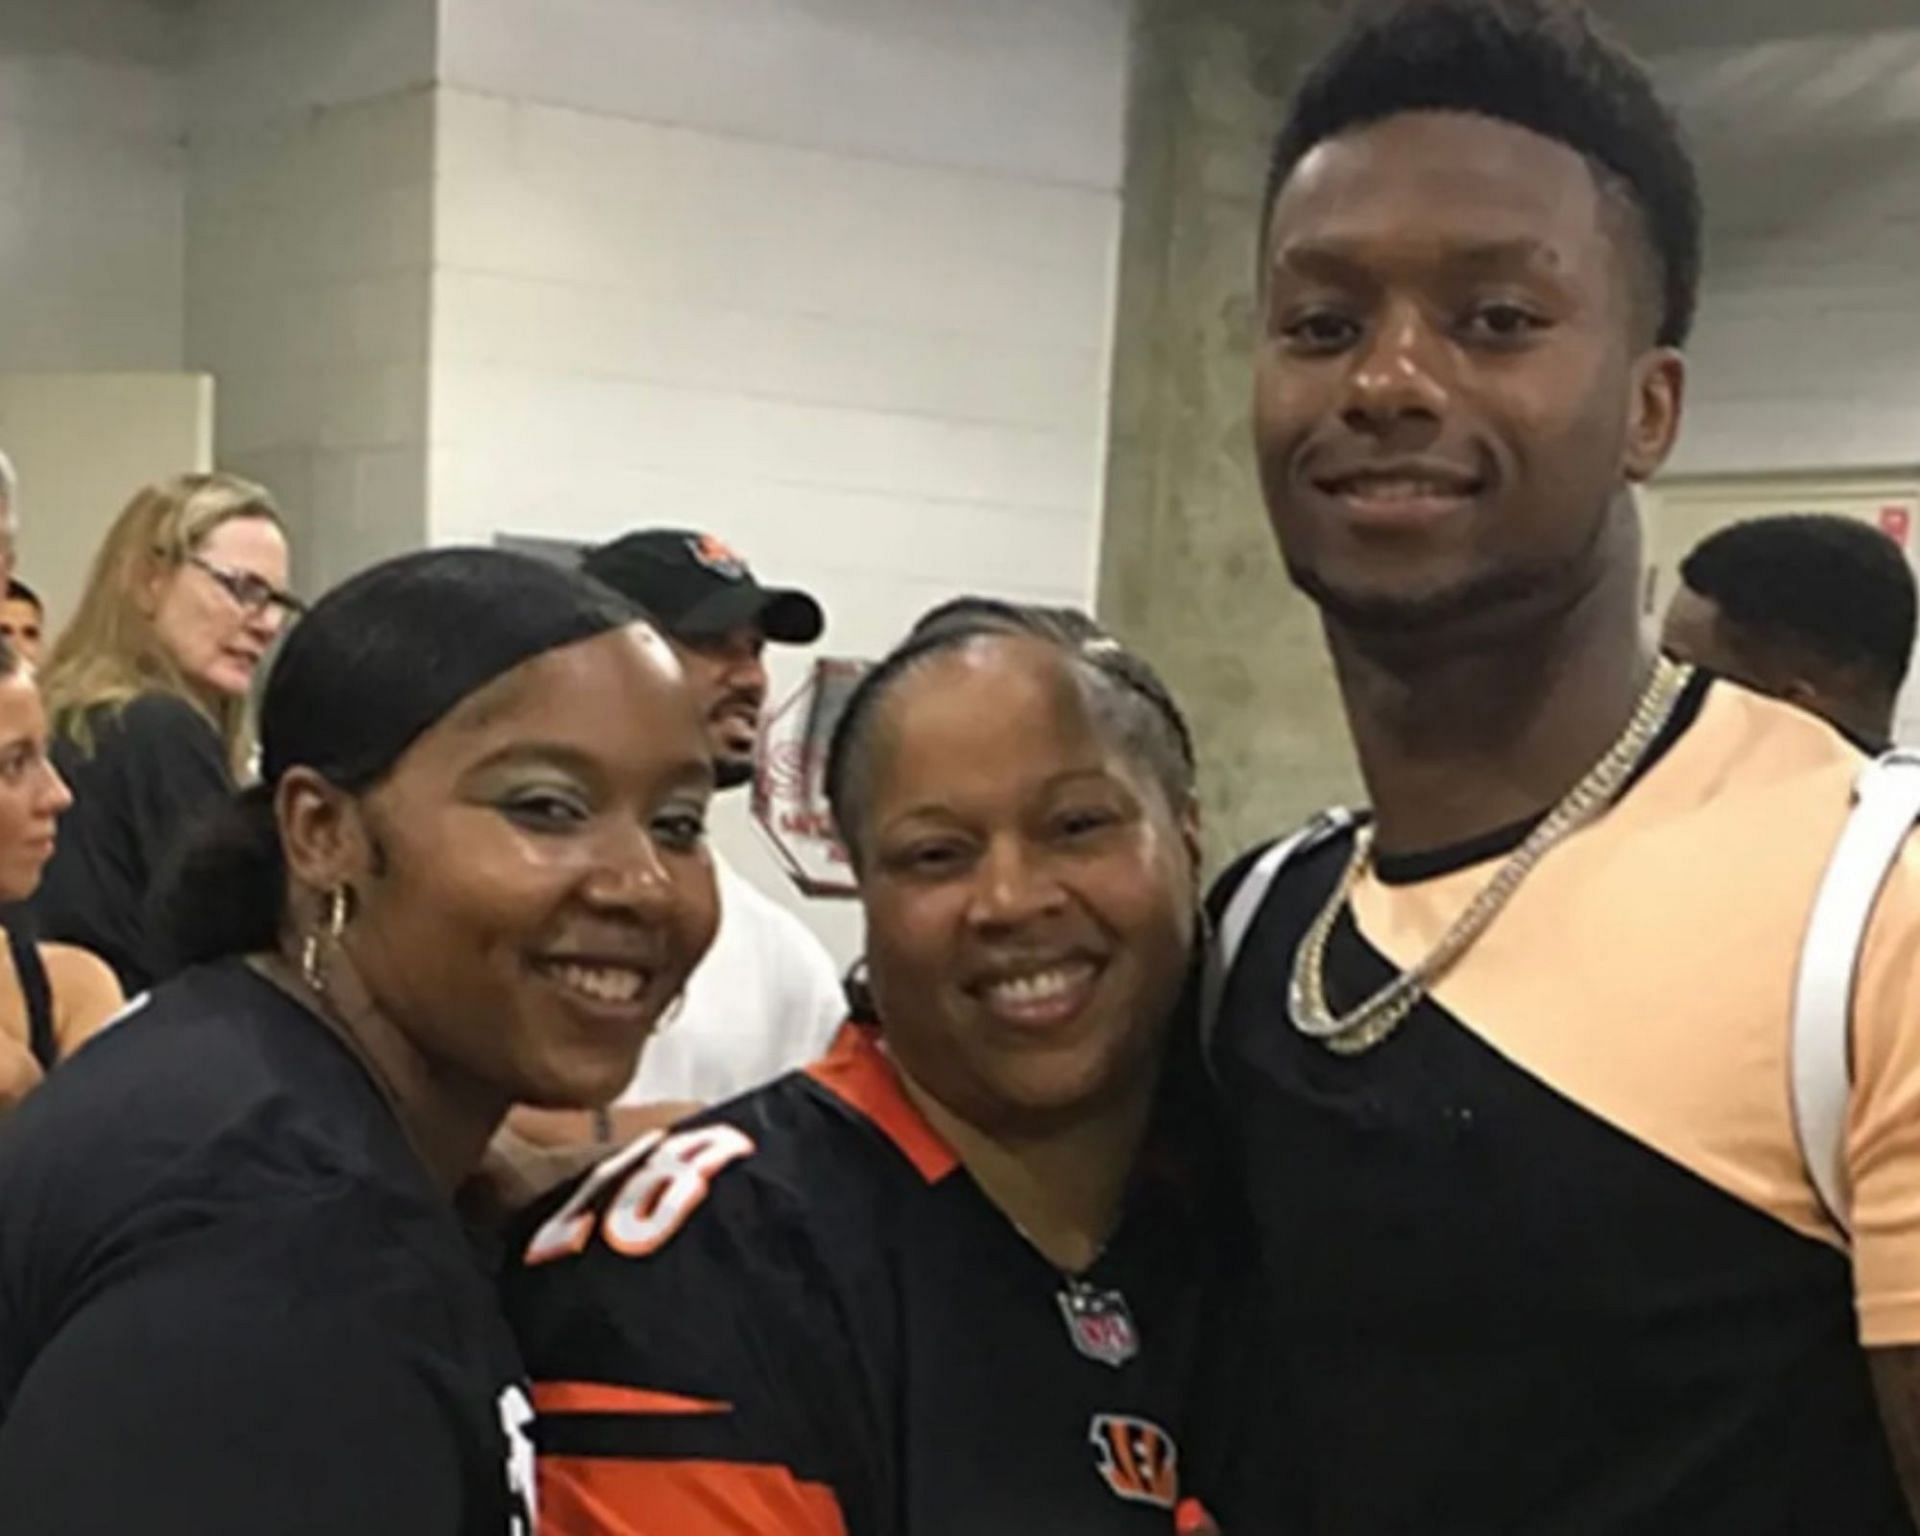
(798, 1315)
(232, 1302)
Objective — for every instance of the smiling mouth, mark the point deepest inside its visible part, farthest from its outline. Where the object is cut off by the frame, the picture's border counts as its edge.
(1046, 995)
(597, 983)
(1390, 484)
(1400, 499)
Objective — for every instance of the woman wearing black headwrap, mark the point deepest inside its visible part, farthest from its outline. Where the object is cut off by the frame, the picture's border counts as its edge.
(234, 1296)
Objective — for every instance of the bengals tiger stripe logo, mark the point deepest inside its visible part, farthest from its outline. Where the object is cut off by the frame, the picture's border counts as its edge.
(1137, 1458)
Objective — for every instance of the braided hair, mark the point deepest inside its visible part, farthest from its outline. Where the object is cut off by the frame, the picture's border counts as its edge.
(1124, 690)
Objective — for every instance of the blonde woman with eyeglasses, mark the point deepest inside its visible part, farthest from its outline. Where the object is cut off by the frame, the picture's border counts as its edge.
(147, 691)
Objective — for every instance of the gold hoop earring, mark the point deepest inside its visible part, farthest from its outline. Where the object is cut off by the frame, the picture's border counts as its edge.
(310, 949)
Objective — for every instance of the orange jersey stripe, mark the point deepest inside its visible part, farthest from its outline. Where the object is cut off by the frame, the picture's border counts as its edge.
(592, 1496)
(857, 1072)
(604, 1397)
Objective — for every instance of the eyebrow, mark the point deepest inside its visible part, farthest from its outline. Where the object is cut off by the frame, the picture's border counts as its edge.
(694, 772)
(1343, 259)
(1058, 782)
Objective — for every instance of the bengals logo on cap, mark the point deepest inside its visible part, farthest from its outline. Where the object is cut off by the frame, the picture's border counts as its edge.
(1137, 1458)
(717, 557)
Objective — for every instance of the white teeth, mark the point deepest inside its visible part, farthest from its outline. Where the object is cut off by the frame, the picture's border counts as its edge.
(1040, 987)
(1401, 490)
(602, 983)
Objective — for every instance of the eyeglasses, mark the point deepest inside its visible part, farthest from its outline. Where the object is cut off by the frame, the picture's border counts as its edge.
(255, 595)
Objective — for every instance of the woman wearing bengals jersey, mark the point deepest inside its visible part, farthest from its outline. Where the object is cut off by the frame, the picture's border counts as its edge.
(234, 1295)
(953, 1279)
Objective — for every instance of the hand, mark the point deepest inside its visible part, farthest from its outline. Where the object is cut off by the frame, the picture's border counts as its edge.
(20, 1074)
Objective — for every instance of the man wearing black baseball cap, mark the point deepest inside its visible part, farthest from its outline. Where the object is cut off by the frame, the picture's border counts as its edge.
(720, 620)
(767, 997)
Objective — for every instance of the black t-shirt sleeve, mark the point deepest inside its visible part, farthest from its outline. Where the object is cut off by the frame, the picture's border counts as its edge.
(706, 1386)
(238, 1385)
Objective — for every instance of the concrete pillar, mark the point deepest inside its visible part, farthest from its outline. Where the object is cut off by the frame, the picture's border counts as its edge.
(1189, 572)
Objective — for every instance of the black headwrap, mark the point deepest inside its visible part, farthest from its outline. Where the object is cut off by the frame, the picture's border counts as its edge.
(389, 652)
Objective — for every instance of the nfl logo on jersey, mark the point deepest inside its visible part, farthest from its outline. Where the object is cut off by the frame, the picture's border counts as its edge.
(1099, 1324)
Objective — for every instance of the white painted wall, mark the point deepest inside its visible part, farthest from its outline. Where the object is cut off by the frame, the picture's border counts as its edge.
(83, 443)
(92, 185)
(1808, 352)
(831, 278)
(310, 261)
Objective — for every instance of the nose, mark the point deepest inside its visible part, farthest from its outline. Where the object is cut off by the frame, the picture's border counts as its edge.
(1013, 885)
(1399, 376)
(265, 623)
(56, 799)
(627, 875)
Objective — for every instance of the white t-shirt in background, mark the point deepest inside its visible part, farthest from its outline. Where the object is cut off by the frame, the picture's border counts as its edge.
(765, 999)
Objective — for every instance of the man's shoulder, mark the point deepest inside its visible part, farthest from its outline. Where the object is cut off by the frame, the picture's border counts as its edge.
(1294, 855)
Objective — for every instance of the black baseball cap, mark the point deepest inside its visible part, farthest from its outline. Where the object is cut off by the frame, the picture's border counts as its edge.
(696, 586)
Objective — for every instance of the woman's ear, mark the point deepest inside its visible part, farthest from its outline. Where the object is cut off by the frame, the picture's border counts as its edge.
(1188, 818)
(321, 830)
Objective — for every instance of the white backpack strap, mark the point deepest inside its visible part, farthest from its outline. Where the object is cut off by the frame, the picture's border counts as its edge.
(1886, 802)
(1244, 905)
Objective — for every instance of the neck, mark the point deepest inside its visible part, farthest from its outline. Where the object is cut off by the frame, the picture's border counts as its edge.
(447, 1117)
(1456, 742)
(1062, 1186)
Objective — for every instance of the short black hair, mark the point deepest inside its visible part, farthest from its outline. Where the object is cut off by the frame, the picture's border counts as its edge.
(1128, 691)
(1541, 65)
(19, 592)
(1838, 587)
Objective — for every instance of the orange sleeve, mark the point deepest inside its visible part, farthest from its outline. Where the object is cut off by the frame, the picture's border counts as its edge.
(597, 1496)
(1883, 1133)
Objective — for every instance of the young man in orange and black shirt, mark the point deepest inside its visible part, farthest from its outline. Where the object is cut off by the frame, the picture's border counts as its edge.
(1508, 1059)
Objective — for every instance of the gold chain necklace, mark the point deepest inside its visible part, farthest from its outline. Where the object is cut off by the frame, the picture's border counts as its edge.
(1377, 1017)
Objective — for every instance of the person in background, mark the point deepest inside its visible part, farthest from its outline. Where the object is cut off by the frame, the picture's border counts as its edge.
(147, 691)
(1818, 611)
(960, 1276)
(235, 1298)
(52, 996)
(767, 997)
(22, 619)
(9, 518)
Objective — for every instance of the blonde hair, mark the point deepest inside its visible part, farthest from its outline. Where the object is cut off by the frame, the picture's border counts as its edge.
(107, 656)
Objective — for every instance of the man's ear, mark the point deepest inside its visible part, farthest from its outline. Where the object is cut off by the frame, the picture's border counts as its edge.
(1653, 424)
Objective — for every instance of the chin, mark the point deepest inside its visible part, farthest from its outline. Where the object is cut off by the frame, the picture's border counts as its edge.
(732, 769)
(579, 1084)
(1425, 602)
(228, 685)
